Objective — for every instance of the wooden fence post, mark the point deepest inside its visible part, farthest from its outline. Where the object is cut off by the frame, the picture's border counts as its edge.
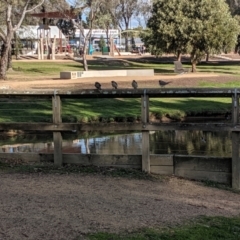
(235, 143)
(145, 134)
(57, 136)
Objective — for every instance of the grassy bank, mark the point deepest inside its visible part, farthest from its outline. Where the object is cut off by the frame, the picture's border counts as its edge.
(53, 68)
(207, 228)
(110, 110)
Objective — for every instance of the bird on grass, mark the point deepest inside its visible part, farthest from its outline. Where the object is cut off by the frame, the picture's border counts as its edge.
(114, 84)
(163, 83)
(134, 84)
(98, 85)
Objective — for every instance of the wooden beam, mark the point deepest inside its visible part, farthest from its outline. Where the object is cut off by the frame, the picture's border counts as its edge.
(235, 143)
(105, 127)
(128, 93)
(57, 136)
(235, 108)
(235, 161)
(56, 107)
(145, 109)
(145, 134)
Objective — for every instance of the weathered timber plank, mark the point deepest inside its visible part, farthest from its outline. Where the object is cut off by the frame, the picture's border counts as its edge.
(116, 127)
(161, 160)
(57, 140)
(57, 109)
(23, 157)
(96, 159)
(220, 177)
(198, 163)
(235, 161)
(235, 108)
(145, 152)
(129, 93)
(165, 170)
(145, 109)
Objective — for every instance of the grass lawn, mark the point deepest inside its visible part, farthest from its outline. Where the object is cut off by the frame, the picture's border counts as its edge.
(87, 110)
(53, 68)
(207, 228)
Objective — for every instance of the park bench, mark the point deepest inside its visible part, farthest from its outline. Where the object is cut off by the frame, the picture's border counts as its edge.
(178, 68)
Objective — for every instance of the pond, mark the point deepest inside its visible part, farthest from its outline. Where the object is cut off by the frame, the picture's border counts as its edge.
(161, 142)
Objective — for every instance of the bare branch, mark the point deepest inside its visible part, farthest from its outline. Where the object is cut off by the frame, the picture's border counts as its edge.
(24, 13)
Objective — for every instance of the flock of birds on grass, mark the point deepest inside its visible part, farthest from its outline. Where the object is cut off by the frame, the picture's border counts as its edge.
(134, 84)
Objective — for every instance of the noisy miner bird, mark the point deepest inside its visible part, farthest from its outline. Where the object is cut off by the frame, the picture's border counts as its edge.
(134, 84)
(114, 84)
(98, 85)
(163, 83)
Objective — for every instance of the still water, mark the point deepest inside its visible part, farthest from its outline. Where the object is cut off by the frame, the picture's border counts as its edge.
(161, 142)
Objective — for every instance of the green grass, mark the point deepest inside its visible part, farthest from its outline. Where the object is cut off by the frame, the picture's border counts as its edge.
(232, 84)
(53, 68)
(110, 110)
(45, 68)
(206, 228)
(121, 110)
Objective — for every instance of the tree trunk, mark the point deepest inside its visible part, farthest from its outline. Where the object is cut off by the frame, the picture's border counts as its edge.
(3, 67)
(179, 56)
(194, 61)
(53, 48)
(126, 43)
(4, 58)
(85, 65)
(9, 67)
(207, 57)
(194, 66)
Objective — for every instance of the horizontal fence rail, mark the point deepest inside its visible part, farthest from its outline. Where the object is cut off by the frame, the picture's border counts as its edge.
(128, 93)
(57, 126)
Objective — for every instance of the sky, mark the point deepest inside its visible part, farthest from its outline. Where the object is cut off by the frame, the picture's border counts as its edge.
(133, 22)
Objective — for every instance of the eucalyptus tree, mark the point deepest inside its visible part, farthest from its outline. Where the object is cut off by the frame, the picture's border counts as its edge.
(193, 27)
(104, 19)
(125, 10)
(13, 13)
(90, 9)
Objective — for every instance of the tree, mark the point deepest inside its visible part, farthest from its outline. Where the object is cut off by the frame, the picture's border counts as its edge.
(102, 43)
(89, 8)
(193, 27)
(13, 14)
(121, 12)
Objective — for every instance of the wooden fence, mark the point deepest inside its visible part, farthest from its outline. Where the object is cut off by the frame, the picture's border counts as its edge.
(148, 162)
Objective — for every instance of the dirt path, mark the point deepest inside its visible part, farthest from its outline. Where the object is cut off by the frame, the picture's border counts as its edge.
(185, 80)
(35, 206)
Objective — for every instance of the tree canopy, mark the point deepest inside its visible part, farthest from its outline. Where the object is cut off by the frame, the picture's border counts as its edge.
(194, 27)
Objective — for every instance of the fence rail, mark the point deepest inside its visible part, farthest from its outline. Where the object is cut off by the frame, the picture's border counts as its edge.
(57, 126)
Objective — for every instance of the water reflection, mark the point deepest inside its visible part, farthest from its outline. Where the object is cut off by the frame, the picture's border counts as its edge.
(161, 142)
(191, 143)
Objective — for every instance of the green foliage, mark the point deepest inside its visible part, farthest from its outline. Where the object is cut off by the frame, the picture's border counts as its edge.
(193, 27)
(207, 228)
(102, 42)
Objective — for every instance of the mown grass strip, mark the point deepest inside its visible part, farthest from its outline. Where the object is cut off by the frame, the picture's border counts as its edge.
(111, 110)
(207, 228)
